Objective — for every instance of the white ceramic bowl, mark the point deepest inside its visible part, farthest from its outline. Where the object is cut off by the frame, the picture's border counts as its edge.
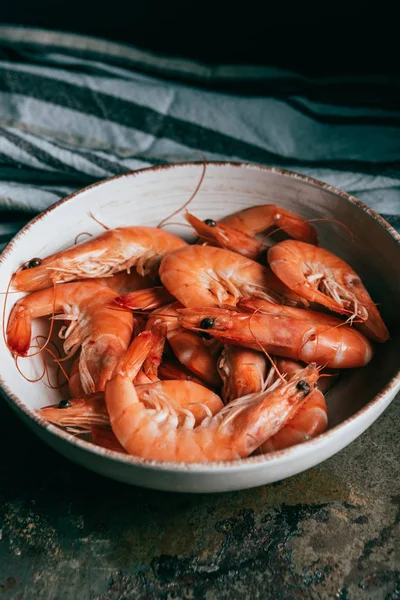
(144, 198)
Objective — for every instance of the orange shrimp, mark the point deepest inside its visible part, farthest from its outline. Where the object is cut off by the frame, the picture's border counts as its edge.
(309, 421)
(188, 347)
(259, 219)
(285, 331)
(82, 414)
(157, 427)
(102, 256)
(208, 276)
(242, 371)
(102, 333)
(320, 276)
(145, 299)
(215, 233)
(237, 232)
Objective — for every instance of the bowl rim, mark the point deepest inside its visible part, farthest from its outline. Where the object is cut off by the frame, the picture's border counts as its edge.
(250, 462)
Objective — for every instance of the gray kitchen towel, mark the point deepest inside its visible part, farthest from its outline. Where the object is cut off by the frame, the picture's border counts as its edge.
(75, 110)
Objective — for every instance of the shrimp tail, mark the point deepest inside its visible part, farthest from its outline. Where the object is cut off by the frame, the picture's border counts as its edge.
(19, 330)
(97, 362)
(133, 359)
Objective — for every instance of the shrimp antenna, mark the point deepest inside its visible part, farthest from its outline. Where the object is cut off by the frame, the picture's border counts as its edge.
(82, 233)
(57, 351)
(24, 376)
(177, 223)
(41, 351)
(58, 361)
(351, 234)
(333, 221)
(53, 310)
(263, 349)
(185, 204)
(98, 221)
(329, 375)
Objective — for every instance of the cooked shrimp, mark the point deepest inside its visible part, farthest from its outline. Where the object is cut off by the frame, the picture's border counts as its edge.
(83, 414)
(102, 332)
(113, 251)
(215, 233)
(145, 299)
(259, 219)
(156, 427)
(208, 276)
(188, 347)
(242, 371)
(320, 276)
(309, 421)
(285, 331)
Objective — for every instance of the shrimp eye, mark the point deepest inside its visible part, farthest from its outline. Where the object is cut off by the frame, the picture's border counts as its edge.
(35, 262)
(303, 386)
(207, 323)
(210, 222)
(64, 404)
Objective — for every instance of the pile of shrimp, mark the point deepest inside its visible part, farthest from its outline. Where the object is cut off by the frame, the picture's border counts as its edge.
(210, 351)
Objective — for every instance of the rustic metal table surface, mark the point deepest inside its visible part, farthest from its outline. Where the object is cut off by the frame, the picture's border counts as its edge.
(331, 532)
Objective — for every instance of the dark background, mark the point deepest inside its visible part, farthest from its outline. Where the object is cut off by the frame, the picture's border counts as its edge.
(314, 39)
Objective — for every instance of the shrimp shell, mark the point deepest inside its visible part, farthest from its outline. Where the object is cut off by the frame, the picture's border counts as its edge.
(157, 428)
(102, 333)
(102, 256)
(208, 276)
(320, 276)
(284, 331)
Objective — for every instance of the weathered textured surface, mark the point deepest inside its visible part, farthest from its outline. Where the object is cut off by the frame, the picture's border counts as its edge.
(332, 532)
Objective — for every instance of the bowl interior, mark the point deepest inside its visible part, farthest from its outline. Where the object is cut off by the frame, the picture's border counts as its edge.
(146, 197)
